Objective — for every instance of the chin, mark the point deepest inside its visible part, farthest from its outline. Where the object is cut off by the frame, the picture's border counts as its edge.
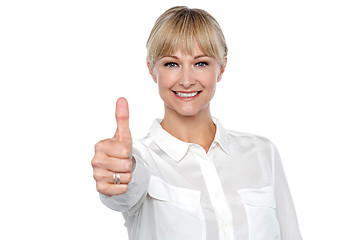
(188, 112)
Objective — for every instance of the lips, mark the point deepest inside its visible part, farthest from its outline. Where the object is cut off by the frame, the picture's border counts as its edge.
(186, 94)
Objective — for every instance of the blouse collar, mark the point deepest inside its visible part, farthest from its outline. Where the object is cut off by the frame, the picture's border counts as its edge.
(176, 148)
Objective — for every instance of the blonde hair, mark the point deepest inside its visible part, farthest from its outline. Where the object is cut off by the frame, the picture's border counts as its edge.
(178, 27)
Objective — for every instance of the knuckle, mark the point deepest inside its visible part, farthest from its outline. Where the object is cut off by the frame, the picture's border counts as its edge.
(128, 177)
(125, 151)
(102, 145)
(96, 175)
(125, 137)
(101, 187)
(96, 162)
(127, 165)
(124, 188)
(99, 146)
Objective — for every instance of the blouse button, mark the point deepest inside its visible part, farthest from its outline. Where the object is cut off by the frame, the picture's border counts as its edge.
(225, 225)
(218, 196)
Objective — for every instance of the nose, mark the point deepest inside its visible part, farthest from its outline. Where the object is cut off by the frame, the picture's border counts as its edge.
(187, 78)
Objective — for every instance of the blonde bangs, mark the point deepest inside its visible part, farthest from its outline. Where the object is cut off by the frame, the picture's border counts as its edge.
(177, 29)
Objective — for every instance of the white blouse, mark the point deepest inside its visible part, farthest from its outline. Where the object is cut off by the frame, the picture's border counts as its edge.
(236, 190)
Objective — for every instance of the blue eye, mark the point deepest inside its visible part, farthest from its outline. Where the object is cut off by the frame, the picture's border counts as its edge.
(201, 64)
(170, 64)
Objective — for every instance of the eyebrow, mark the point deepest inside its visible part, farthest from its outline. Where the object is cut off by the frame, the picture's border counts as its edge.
(198, 56)
(171, 56)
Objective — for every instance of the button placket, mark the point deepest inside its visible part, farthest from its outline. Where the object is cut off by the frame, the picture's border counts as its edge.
(216, 194)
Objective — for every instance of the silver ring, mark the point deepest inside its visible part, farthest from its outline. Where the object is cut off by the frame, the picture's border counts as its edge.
(116, 178)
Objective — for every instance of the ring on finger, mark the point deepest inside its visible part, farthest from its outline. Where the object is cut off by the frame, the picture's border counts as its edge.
(116, 178)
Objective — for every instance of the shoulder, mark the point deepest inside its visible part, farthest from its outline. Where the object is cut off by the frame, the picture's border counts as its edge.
(250, 141)
(251, 137)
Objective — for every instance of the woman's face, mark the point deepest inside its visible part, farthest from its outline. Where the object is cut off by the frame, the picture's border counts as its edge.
(187, 83)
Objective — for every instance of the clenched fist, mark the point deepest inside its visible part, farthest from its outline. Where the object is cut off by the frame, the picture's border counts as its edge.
(114, 155)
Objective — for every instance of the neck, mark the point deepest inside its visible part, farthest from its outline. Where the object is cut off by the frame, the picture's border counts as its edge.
(198, 129)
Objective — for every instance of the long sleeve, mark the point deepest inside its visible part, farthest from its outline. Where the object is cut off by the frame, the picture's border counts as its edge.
(129, 202)
(286, 213)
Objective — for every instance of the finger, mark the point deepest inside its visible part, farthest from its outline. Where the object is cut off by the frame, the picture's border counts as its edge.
(119, 165)
(122, 117)
(108, 176)
(114, 148)
(102, 161)
(111, 189)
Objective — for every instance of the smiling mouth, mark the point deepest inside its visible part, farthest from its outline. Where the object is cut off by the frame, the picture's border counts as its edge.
(185, 95)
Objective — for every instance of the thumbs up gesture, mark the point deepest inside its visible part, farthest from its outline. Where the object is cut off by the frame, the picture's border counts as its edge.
(112, 162)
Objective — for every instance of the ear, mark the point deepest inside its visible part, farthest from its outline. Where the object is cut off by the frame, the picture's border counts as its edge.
(151, 72)
(223, 68)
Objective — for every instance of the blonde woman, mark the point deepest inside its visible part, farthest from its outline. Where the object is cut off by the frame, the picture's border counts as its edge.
(190, 178)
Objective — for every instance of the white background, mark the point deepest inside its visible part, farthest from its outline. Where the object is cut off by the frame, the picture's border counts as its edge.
(292, 76)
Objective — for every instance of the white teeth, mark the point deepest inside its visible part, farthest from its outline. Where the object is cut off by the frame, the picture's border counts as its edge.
(186, 94)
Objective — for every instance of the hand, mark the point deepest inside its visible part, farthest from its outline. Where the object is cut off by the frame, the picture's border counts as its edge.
(114, 155)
